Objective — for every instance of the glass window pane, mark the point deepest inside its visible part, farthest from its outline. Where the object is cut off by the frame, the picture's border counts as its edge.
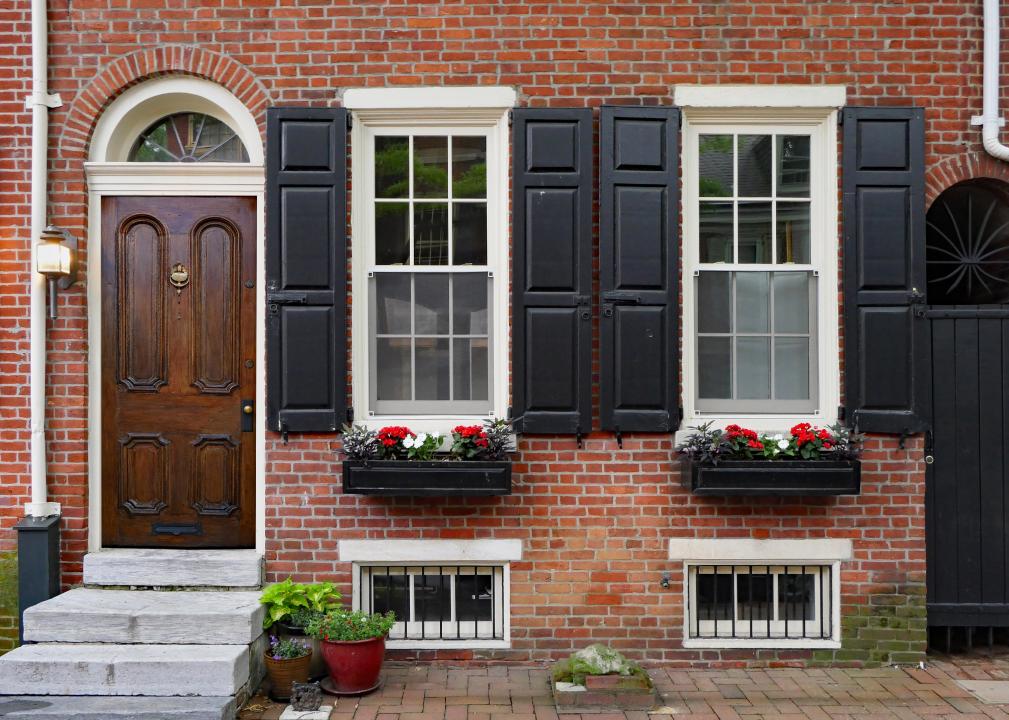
(430, 167)
(469, 167)
(469, 233)
(714, 165)
(791, 302)
(793, 165)
(432, 598)
(188, 137)
(754, 165)
(469, 303)
(431, 303)
(430, 234)
(791, 368)
(753, 294)
(392, 233)
(753, 368)
(391, 156)
(469, 368)
(432, 373)
(392, 303)
(390, 592)
(714, 367)
(716, 232)
(754, 232)
(793, 232)
(392, 359)
(796, 598)
(755, 593)
(714, 302)
(473, 597)
(714, 597)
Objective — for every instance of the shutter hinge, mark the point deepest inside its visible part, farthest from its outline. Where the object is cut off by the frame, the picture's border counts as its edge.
(511, 117)
(583, 299)
(840, 117)
(904, 435)
(578, 436)
(841, 411)
(350, 120)
(350, 415)
(620, 436)
(283, 431)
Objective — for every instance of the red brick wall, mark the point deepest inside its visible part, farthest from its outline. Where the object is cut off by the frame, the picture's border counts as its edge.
(593, 520)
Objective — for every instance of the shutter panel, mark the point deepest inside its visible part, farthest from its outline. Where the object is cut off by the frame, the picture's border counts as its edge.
(552, 278)
(306, 258)
(884, 267)
(638, 257)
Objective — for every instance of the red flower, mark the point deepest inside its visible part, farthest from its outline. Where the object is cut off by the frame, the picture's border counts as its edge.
(755, 444)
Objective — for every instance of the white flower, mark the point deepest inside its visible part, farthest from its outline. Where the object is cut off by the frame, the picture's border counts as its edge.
(420, 440)
(783, 444)
(409, 441)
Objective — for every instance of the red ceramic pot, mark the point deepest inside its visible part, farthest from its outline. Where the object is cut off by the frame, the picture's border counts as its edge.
(354, 666)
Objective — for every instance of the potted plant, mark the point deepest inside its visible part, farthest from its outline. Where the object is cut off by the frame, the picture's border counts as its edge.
(353, 646)
(291, 606)
(397, 461)
(805, 461)
(287, 661)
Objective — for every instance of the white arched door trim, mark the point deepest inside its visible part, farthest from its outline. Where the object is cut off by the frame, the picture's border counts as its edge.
(108, 173)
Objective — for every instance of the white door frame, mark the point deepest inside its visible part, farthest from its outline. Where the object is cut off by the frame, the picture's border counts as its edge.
(164, 179)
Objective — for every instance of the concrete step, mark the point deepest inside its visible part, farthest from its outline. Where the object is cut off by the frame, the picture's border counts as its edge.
(87, 615)
(92, 669)
(129, 567)
(49, 707)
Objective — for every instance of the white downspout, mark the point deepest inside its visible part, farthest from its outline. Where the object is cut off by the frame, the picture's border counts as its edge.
(990, 120)
(40, 101)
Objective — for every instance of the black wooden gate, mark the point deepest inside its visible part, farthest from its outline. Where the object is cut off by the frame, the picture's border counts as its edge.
(967, 480)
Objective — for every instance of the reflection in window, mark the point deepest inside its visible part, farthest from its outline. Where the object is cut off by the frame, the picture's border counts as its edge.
(188, 137)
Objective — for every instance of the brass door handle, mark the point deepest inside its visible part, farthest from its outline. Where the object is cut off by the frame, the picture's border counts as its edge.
(247, 409)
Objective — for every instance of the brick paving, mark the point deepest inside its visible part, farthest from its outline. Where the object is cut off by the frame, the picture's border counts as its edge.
(422, 691)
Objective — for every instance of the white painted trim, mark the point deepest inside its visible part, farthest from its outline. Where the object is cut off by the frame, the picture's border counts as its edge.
(812, 551)
(782, 644)
(447, 552)
(760, 96)
(822, 127)
(495, 124)
(136, 109)
(424, 98)
(168, 180)
(448, 644)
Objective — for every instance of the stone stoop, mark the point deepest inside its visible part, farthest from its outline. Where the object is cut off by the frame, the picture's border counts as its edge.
(119, 648)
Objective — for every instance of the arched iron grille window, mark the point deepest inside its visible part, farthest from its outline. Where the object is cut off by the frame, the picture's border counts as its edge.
(188, 137)
(967, 244)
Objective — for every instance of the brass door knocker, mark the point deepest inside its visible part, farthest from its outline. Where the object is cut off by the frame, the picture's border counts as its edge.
(179, 277)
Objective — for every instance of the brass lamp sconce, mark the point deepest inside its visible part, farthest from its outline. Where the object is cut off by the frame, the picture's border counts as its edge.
(56, 258)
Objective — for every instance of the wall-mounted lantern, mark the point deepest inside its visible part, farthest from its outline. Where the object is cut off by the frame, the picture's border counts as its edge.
(56, 258)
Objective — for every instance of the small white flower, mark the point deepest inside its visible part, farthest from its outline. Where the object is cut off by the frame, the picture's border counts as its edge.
(420, 440)
(783, 444)
(409, 441)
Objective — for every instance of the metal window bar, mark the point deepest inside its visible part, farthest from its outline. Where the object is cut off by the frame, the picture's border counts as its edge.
(787, 590)
(481, 620)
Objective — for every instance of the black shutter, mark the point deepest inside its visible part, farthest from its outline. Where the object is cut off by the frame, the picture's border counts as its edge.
(884, 267)
(638, 251)
(552, 279)
(306, 260)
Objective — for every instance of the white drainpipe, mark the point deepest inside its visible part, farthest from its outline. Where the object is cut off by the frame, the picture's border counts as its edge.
(990, 120)
(40, 101)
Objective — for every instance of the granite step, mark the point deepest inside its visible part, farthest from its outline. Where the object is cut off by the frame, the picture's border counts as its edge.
(86, 615)
(150, 568)
(99, 669)
(78, 707)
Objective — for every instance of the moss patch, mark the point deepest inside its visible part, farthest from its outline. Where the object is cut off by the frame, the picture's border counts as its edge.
(8, 601)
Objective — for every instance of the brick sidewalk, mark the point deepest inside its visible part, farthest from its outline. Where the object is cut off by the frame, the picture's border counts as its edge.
(424, 691)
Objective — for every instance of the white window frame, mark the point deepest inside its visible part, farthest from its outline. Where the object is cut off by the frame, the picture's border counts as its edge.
(693, 552)
(821, 125)
(430, 554)
(442, 111)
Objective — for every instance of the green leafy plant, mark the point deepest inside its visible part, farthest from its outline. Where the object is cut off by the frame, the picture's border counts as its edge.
(490, 441)
(349, 626)
(288, 599)
(359, 442)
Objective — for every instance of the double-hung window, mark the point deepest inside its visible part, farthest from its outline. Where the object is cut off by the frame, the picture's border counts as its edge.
(430, 280)
(760, 258)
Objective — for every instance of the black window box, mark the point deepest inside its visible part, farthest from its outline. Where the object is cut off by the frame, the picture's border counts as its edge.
(776, 477)
(439, 478)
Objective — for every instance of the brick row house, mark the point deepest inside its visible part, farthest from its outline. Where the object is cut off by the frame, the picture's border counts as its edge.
(608, 222)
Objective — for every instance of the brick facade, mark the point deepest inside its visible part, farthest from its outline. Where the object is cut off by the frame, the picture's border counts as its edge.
(593, 521)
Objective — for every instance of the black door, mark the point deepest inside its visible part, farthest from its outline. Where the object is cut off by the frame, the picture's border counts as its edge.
(967, 484)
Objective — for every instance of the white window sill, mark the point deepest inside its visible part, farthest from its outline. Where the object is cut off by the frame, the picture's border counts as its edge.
(430, 552)
(431, 644)
(732, 644)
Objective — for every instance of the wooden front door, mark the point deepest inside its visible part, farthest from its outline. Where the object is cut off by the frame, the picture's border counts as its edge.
(178, 388)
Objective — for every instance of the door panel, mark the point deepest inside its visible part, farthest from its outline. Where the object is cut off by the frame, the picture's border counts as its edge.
(178, 347)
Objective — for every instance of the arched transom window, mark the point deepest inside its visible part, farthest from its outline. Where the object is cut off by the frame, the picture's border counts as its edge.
(188, 137)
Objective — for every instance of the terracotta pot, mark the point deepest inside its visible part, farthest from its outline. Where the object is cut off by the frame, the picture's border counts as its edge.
(354, 666)
(318, 667)
(284, 672)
